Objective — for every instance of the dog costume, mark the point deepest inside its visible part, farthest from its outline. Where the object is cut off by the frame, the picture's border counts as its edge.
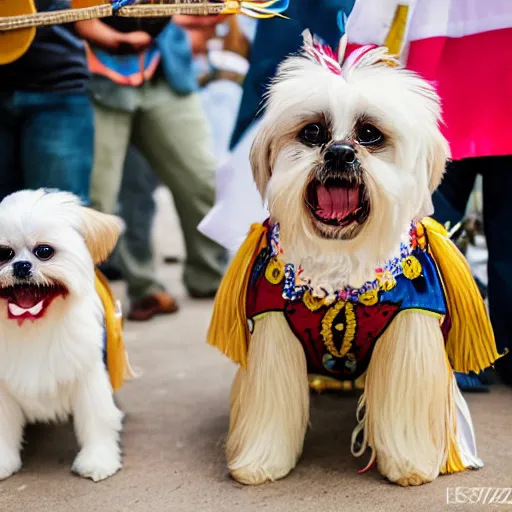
(338, 332)
(116, 358)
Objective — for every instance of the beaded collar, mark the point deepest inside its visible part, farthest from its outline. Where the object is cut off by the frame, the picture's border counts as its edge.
(385, 277)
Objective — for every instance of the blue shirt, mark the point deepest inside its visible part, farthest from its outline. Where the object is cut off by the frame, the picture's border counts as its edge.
(275, 39)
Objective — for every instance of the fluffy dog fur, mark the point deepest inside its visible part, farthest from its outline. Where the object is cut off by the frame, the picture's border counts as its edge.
(407, 419)
(52, 366)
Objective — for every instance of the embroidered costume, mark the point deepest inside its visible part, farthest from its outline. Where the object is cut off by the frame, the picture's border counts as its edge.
(339, 333)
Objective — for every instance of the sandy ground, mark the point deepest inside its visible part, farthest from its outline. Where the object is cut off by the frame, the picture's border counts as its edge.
(176, 421)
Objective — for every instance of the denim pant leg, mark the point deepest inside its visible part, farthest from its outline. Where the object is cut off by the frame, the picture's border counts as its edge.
(134, 254)
(57, 141)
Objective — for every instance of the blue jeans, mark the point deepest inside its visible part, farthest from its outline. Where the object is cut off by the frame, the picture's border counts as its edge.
(46, 140)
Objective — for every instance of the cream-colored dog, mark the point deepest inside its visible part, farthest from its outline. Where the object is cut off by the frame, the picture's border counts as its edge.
(348, 156)
(52, 327)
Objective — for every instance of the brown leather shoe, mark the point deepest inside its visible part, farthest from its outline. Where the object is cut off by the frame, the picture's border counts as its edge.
(159, 303)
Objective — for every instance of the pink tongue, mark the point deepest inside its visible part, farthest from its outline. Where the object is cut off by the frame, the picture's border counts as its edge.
(26, 297)
(336, 202)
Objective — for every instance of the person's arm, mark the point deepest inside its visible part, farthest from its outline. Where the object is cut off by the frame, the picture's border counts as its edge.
(100, 34)
(198, 22)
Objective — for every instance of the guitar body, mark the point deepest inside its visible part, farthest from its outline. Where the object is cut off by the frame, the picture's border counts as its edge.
(14, 43)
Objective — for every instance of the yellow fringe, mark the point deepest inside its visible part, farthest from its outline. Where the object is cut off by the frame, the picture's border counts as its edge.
(395, 38)
(453, 463)
(470, 345)
(229, 331)
(117, 358)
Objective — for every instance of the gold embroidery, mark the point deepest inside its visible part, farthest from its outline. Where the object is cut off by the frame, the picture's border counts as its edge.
(274, 272)
(311, 302)
(349, 328)
(411, 267)
(369, 298)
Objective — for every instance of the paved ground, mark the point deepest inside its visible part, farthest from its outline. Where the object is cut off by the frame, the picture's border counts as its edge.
(177, 416)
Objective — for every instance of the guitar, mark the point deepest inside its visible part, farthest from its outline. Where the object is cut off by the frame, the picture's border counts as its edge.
(14, 43)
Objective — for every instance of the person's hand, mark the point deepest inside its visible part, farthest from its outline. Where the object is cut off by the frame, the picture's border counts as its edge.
(133, 42)
(198, 22)
(199, 38)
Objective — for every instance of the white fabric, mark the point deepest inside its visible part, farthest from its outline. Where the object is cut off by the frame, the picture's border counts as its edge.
(238, 202)
(228, 61)
(221, 99)
(370, 21)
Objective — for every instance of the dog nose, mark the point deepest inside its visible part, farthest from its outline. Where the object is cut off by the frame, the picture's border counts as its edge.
(22, 269)
(339, 155)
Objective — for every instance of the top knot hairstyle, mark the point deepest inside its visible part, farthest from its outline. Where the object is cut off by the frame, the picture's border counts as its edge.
(365, 56)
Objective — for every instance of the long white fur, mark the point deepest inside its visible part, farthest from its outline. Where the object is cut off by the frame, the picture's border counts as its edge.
(269, 405)
(409, 391)
(400, 179)
(53, 368)
(407, 400)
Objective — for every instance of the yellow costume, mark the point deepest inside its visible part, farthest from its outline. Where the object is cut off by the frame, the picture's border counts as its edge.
(116, 358)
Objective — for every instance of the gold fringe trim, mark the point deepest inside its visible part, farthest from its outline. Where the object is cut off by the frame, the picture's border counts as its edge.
(453, 463)
(117, 358)
(470, 345)
(229, 331)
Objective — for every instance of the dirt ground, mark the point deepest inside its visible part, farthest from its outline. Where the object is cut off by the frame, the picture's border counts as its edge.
(176, 422)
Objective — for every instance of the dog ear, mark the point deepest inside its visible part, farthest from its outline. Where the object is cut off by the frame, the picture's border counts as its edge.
(438, 155)
(101, 233)
(261, 159)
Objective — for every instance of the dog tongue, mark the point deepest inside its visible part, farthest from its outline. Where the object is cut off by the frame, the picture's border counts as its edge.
(336, 202)
(26, 297)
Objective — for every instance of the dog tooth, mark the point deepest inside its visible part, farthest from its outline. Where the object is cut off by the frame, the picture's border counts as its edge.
(35, 310)
(16, 310)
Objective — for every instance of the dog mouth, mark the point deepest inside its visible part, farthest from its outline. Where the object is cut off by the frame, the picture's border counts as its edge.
(30, 301)
(338, 202)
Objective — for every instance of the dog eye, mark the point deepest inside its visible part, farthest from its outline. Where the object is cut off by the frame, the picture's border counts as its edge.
(314, 134)
(368, 135)
(6, 254)
(44, 252)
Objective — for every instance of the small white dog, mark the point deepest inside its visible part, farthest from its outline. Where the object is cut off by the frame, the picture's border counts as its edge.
(52, 327)
(342, 278)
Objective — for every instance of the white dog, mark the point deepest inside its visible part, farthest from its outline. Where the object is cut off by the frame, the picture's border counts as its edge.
(52, 327)
(348, 156)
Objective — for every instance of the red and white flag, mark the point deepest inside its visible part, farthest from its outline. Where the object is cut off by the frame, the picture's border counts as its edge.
(465, 48)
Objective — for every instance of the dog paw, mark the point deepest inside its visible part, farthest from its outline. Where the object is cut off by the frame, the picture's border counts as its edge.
(414, 479)
(9, 464)
(97, 463)
(258, 475)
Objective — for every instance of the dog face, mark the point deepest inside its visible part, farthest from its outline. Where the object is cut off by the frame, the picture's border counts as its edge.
(349, 153)
(48, 246)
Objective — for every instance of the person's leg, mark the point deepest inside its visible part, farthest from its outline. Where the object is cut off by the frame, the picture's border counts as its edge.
(452, 196)
(173, 134)
(137, 207)
(134, 253)
(57, 141)
(10, 172)
(497, 181)
(111, 139)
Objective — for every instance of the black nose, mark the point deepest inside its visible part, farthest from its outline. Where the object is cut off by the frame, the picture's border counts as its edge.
(339, 155)
(22, 269)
